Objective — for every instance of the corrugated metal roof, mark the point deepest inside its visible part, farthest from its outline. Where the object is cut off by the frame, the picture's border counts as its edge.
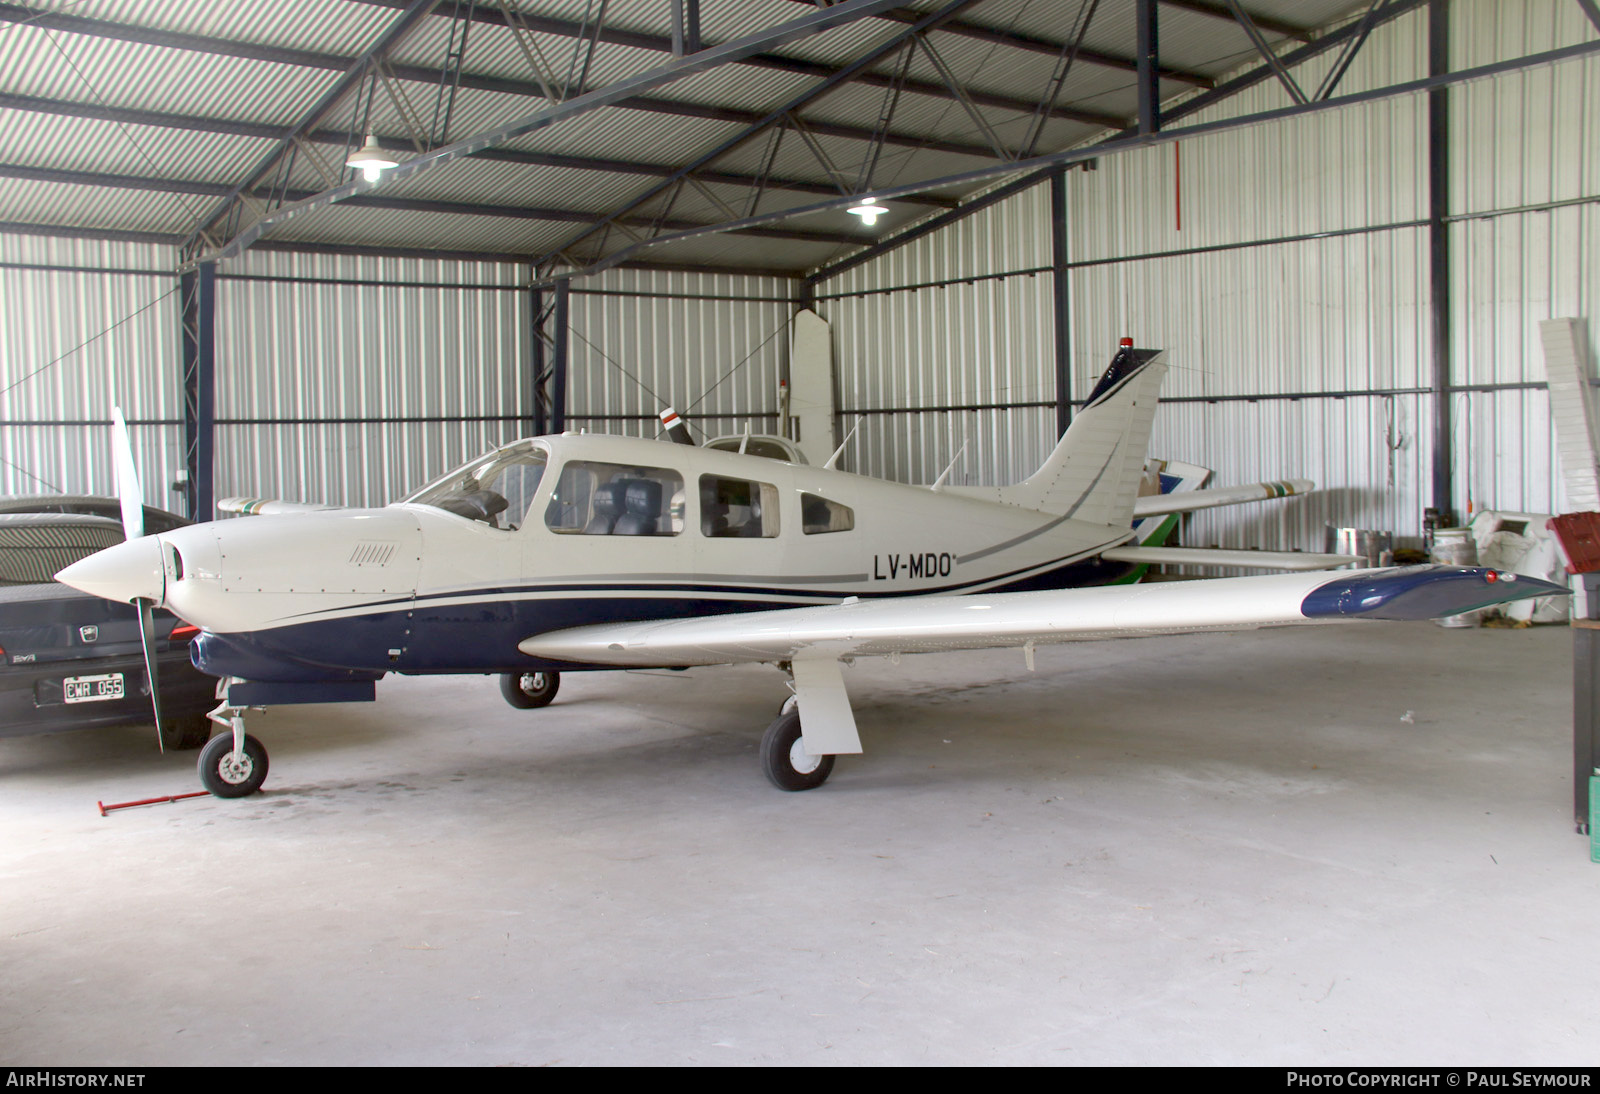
(111, 108)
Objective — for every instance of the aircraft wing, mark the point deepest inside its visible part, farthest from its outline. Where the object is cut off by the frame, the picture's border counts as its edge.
(894, 625)
(1185, 501)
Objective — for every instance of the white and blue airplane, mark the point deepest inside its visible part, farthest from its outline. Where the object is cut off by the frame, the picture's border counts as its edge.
(591, 552)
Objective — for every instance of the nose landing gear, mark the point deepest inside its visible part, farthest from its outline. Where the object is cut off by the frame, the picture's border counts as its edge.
(232, 764)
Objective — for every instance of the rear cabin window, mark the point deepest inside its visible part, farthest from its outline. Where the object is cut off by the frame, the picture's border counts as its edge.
(818, 516)
(737, 508)
(609, 499)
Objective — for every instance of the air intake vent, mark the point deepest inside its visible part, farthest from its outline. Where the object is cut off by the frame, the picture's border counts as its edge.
(370, 553)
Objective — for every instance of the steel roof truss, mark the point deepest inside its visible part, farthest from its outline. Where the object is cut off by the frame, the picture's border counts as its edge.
(1272, 59)
(817, 21)
(787, 110)
(1348, 53)
(891, 100)
(395, 33)
(949, 77)
(1058, 77)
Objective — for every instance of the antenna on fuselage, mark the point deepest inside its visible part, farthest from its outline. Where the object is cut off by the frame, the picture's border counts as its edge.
(833, 459)
(938, 484)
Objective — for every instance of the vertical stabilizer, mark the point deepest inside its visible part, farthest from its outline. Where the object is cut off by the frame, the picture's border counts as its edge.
(1093, 474)
(811, 402)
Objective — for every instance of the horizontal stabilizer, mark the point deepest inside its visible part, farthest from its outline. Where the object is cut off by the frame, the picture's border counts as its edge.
(930, 624)
(1190, 500)
(268, 507)
(1220, 556)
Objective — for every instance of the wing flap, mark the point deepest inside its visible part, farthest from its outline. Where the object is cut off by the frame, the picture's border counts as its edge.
(929, 624)
(1221, 556)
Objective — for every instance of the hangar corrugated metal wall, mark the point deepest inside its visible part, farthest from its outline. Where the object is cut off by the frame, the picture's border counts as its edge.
(352, 380)
(710, 345)
(1285, 266)
(84, 325)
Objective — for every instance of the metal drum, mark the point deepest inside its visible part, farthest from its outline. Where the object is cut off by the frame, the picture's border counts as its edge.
(1456, 547)
(1377, 548)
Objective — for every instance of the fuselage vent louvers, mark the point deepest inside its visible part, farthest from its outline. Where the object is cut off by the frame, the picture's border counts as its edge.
(370, 553)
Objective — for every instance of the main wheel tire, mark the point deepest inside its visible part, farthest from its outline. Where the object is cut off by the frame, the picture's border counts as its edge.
(183, 734)
(220, 774)
(784, 760)
(529, 690)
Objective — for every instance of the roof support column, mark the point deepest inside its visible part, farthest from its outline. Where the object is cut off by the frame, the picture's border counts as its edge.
(1439, 258)
(197, 339)
(536, 403)
(558, 366)
(1061, 296)
(1149, 68)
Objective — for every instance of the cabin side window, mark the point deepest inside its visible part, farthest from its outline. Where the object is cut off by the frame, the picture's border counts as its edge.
(608, 499)
(737, 508)
(819, 516)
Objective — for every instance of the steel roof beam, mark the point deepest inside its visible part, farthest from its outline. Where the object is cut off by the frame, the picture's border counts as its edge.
(373, 201)
(664, 44)
(1218, 11)
(1027, 42)
(101, 28)
(225, 127)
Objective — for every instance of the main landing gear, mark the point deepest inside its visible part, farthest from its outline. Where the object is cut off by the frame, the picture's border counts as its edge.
(784, 759)
(530, 690)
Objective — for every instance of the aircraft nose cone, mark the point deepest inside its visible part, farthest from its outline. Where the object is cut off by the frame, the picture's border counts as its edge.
(126, 572)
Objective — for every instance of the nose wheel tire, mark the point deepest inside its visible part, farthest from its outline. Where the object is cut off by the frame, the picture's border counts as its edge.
(784, 759)
(529, 690)
(230, 777)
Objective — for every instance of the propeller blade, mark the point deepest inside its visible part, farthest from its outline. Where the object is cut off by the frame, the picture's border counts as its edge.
(147, 635)
(129, 491)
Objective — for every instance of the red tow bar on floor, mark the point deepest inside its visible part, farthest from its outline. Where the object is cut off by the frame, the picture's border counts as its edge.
(104, 808)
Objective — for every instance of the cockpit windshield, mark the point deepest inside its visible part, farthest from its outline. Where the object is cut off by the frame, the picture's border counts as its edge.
(496, 489)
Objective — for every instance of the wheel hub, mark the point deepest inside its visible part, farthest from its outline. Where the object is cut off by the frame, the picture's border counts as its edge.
(236, 768)
(802, 761)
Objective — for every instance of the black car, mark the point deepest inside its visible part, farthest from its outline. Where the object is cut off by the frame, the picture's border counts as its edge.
(72, 661)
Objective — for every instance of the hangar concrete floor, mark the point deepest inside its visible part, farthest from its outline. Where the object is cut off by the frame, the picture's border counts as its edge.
(1214, 850)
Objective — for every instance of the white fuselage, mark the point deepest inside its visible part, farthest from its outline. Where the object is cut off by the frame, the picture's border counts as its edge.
(417, 588)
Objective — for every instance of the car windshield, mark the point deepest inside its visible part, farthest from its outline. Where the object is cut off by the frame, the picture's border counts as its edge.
(496, 489)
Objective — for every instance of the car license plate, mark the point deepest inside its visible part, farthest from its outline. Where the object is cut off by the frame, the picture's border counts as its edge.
(92, 689)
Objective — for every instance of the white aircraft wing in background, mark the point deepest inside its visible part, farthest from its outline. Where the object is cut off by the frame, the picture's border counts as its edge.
(268, 507)
(1186, 501)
